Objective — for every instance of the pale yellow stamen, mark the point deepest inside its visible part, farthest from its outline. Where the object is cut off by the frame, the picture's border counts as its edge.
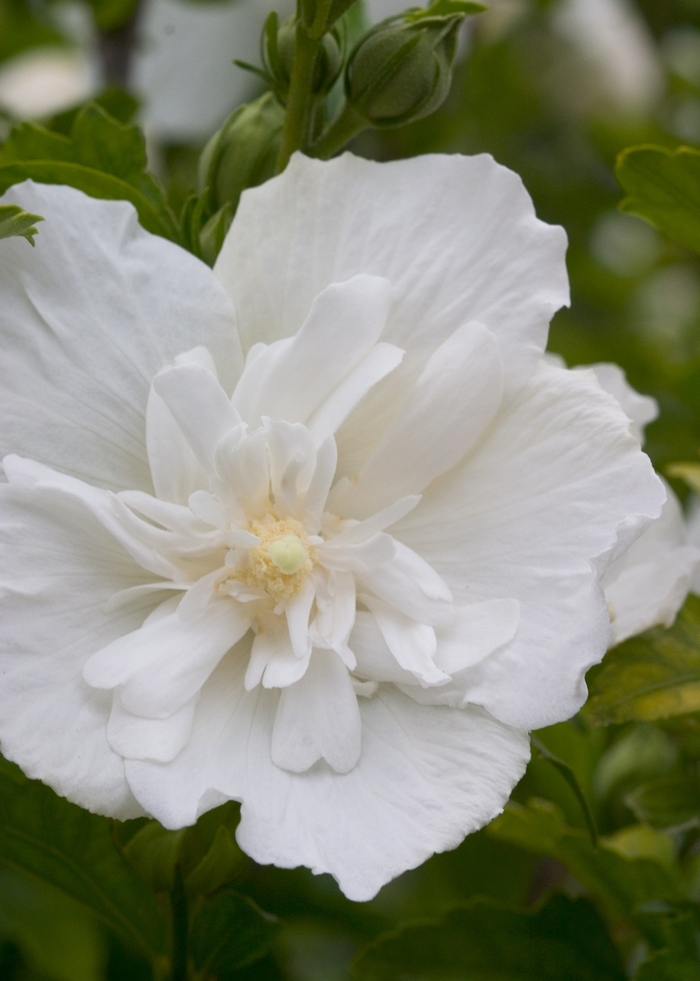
(288, 554)
(282, 560)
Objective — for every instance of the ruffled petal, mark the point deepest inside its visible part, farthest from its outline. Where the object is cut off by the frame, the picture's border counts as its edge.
(453, 401)
(292, 378)
(457, 238)
(318, 719)
(556, 485)
(163, 664)
(648, 584)
(88, 317)
(137, 738)
(59, 569)
(426, 777)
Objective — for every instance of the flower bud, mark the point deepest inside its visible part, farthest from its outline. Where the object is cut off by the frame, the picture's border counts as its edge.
(401, 70)
(278, 50)
(243, 152)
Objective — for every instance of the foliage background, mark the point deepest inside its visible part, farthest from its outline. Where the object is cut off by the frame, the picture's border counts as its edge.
(593, 871)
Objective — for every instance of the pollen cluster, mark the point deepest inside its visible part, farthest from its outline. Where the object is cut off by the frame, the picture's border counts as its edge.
(282, 560)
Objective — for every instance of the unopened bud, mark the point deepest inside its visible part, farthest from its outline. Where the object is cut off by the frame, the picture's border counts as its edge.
(401, 70)
(278, 51)
(243, 152)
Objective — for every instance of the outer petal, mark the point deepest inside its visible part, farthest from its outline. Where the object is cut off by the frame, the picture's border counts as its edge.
(457, 237)
(649, 582)
(426, 777)
(88, 317)
(557, 484)
(59, 568)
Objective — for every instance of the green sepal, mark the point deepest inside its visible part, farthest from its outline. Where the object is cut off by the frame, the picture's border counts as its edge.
(16, 222)
(663, 186)
(67, 847)
(652, 676)
(564, 938)
(228, 932)
(102, 157)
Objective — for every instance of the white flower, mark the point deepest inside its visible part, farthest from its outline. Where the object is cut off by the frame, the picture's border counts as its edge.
(647, 585)
(614, 39)
(45, 80)
(344, 594)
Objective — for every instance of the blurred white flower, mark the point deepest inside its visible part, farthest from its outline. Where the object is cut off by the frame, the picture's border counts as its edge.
(44, 81)
(612, 37)
(343, 593)
(648, 584)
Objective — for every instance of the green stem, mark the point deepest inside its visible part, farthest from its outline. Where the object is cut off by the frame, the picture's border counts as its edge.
(300, 98)
(348, 124)
(178, 905)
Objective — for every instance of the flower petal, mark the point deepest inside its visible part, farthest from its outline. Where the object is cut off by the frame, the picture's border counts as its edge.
(412, 586)
(163, 664)
(136, 738)
(453, 401)
(59, 569)
(292, 378)
(425, 778)
(647, 585)
(200, 407)
(318, 719)
(456, 236)
(556, 484)
(174, 468)
(413, 644)
(88, 317)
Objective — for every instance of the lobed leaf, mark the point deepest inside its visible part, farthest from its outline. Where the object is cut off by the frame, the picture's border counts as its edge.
(67, 847)
(483, 941)
(16, 222)
(652, 676)
(623, 884)
(667, 801)
(228, 932)
(663, 186)
(102, 157)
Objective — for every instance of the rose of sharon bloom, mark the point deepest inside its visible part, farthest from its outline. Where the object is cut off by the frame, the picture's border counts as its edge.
(317, 531)
(648, 584)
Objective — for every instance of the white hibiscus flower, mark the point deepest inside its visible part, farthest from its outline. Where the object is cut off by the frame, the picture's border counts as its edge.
(338, 581)
(647, 585)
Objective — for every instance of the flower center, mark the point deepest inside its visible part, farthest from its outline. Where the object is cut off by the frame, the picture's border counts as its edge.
(282, 560)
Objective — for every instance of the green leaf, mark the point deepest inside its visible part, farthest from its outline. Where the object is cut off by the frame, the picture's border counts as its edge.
(570, 777)
(102, 157)
(15, 221)
(667, 801)
(652, 676)
(56, 935)
(689, 472)
(678, 959)
(481, 941)
(622, 884)
(663, 186)
(67, 847)
(228, 932)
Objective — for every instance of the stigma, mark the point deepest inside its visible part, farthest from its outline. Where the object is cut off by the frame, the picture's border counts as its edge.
(281, 561)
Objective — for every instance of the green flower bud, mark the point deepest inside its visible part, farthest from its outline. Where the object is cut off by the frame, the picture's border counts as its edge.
(243, 152)
(278, 53)
(401, 70)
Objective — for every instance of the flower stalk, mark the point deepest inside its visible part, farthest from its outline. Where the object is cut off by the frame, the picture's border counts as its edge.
(300, 100)
(178, 905)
